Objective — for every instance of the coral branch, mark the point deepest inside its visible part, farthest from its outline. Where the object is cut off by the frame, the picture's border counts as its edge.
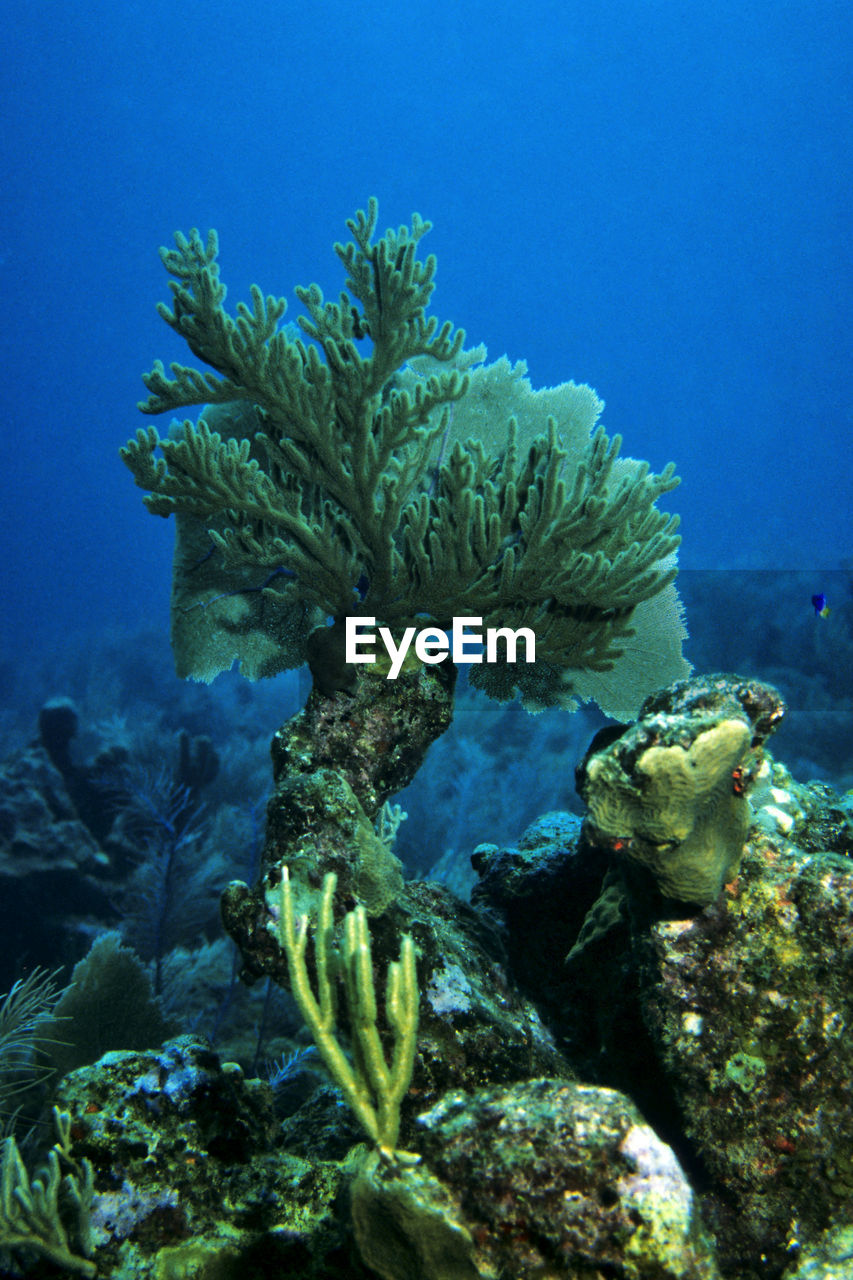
(372, 1087)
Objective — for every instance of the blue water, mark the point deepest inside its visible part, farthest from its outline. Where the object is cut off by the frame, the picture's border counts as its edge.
(651, 197)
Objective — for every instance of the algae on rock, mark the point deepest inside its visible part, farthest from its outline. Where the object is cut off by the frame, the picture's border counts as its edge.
(542, 1179)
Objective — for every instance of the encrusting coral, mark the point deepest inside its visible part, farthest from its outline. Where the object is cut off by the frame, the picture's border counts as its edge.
(670, 792)
(397, 481)
(677, 813)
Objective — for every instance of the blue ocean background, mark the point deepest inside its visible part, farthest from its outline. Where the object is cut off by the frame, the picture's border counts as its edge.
(652, 197)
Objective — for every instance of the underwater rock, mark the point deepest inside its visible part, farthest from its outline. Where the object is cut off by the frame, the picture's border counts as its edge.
(549, 887)
(39, 825)
(316, 824)
(375, 734)
(542, 1179)
(189, 1177)
(830, 1259)
(52, 896)
(726, 1025)
(824, 819)
(475, 1026)
(749, 1005)
(669, 794)
(720, 695)
(335, 763)
(543, 886)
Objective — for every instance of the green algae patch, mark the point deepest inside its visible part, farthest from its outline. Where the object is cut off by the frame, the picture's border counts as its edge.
(745, 1071)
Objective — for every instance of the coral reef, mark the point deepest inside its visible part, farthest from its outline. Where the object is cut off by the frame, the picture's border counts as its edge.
(336, 763)
(748, 1006)
(342, 484)
(53, 871)
(725, 1022)
(112, 856)
(627, 1057)
(190, 1175)
(190, 1168)
(605, 1077)
(473, 1028)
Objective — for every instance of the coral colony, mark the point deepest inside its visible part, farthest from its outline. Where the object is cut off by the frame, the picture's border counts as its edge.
(626, 1055)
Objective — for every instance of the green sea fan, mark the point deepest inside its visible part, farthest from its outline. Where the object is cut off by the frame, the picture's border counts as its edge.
(370, 465)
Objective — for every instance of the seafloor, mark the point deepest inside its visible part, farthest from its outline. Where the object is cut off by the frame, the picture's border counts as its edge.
(616, 1045)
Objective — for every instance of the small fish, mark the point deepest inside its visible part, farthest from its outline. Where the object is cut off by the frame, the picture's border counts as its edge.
(821, 608)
